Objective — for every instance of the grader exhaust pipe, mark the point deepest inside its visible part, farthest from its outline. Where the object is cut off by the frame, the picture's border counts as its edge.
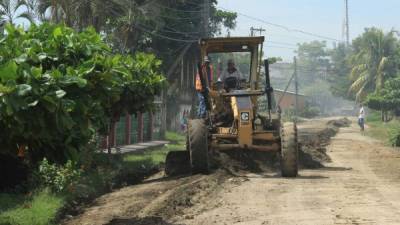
(268, 88)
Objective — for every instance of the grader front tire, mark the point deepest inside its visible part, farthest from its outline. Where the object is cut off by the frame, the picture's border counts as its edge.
(198, 146)
(289, 151)
(177, 163)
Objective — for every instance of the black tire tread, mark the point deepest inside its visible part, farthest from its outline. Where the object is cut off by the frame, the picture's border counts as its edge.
(289, 150)
(177, 163)
(198, 146)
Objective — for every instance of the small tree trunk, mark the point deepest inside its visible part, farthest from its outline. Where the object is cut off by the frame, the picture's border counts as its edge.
(112, 139)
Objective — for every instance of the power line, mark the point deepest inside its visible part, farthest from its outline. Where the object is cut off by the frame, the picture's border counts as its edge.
(283, 47)
(282, 26)
(176, 10)
(171, 30)
(180, 17)
(282, 43)
(164, 36)
(252, 29)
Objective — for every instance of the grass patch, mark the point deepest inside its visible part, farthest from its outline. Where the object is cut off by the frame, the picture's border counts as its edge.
(378, 129)
(39, 209)
(108, 172)
(157, 156)
(174, 137)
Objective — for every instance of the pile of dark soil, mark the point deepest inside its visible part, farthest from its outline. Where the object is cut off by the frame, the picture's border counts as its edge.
(312, 151)
(140, 221)
(238, 161)
(313, 143)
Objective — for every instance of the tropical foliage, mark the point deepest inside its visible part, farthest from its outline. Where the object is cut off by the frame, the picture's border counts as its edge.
(11, 10)
(374, 59)
(58, 87)
(386, 99)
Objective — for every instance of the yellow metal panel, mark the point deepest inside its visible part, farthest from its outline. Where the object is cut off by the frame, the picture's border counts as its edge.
(264, 136)
(224, 130)
(234, 107)
(244, 116)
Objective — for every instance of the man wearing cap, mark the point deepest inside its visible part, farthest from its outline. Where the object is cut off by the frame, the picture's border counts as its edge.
(206, 69)
(231, 71)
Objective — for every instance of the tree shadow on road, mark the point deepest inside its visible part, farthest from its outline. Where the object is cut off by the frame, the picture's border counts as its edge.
(335, 168)
(302, 177)
(166, 178)
(140, 221)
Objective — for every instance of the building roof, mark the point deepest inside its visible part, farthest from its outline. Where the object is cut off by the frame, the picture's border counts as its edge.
(289, 92)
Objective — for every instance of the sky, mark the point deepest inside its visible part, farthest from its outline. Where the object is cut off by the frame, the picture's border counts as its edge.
(322, 17)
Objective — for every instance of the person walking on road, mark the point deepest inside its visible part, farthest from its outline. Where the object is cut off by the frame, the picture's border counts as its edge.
(361, 117)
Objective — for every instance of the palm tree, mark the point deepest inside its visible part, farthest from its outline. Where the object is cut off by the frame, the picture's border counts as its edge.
(82, 13)
(96, 13)
(59, 10)
(372, 61)
(9, 12)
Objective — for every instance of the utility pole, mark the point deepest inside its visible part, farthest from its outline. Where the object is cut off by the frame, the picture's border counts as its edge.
(346, 28)
(296, 86)
(206, 18)
(252, 30)
(261, 30)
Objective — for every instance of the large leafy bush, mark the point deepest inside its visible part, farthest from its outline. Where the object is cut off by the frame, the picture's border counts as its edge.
(388, 98)
(58, 87)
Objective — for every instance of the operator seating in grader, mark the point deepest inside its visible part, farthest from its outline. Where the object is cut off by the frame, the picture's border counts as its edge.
(246, 127)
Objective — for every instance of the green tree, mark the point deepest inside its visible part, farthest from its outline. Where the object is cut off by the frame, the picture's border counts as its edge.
(313, 61)
(340, 70)
(313, 68)
(58, 87)
(373, 60)
(82, 13)
(386, 99)
(9, 12)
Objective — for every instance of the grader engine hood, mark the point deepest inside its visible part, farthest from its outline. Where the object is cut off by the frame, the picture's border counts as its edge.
(243, 115)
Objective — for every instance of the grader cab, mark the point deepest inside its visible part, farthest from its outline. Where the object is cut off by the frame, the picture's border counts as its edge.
(235, 116)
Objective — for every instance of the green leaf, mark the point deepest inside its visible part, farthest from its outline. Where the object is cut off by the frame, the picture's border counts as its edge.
(49, 103)
(57, 32)
(32, 104)
(60, 93)
(23, 89)
(42, 56)
(36, 72)
(8, 71)
(21, 59)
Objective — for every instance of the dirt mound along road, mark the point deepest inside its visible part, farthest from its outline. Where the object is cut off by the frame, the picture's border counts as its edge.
(215, 198)
(314, 136)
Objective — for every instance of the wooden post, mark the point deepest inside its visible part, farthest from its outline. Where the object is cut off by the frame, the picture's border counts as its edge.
(128, 126)
(140, 127)
(163, 127)
(182, 74)
(104, 142)
(150, 126)
(112, 141)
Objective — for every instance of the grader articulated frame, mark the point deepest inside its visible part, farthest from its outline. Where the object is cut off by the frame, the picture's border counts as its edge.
(248, 127)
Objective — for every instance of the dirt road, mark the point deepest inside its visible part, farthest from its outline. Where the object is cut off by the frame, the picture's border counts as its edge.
(360, 185)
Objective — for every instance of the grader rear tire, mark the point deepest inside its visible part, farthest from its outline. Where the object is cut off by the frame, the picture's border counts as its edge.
(198, 146)
(177, 163)
(289, 151)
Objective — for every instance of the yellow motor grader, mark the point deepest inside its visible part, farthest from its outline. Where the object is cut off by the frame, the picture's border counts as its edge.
(234, 118)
